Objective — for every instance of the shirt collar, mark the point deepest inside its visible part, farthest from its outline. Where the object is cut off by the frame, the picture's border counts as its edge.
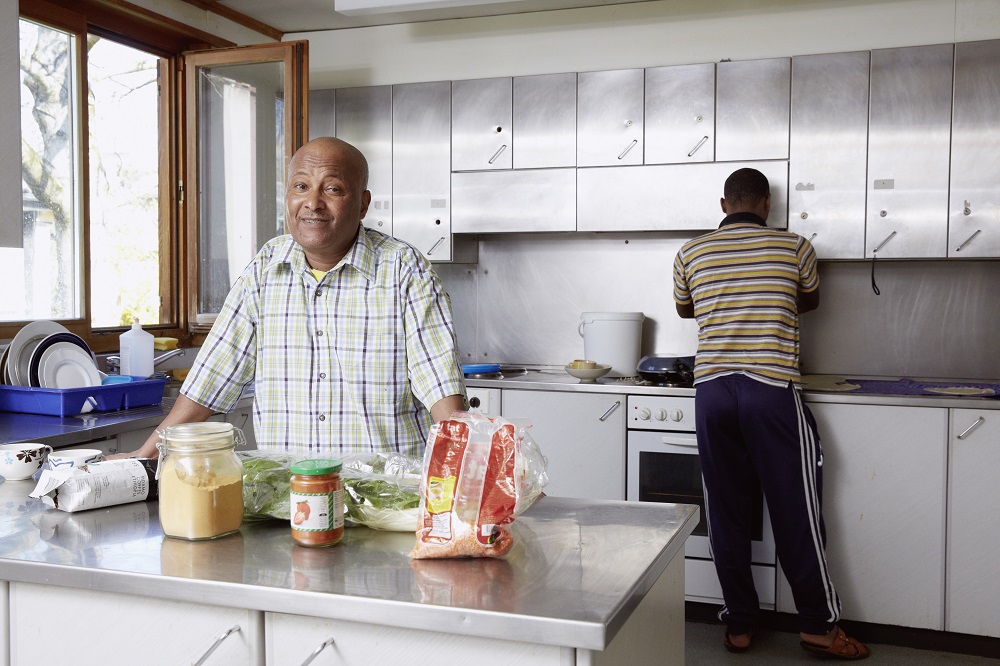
(736, 218)
(361, 257)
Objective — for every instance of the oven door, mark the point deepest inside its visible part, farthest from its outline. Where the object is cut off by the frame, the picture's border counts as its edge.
(664, 467)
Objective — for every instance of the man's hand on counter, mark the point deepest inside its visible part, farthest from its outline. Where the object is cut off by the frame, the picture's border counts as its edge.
(184, 410)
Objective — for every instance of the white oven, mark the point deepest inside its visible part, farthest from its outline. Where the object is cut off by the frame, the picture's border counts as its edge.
(662, 466)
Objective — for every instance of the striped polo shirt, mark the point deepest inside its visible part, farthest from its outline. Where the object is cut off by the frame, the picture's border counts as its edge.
(744, 279)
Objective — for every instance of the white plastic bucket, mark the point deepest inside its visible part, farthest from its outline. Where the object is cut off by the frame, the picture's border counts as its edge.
(612, 338)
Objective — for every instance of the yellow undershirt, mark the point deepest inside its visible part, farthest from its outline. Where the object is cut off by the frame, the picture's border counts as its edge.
(317, 274)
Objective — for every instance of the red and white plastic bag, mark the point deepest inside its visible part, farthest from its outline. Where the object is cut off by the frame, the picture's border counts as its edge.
(478, 474)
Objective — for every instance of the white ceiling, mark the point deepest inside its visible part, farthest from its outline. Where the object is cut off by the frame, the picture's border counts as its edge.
(308, 15)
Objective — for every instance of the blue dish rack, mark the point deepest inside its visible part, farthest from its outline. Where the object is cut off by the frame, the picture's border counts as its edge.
(64, 402)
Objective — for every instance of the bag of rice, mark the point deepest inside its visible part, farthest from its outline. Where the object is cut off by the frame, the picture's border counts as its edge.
(478, 474)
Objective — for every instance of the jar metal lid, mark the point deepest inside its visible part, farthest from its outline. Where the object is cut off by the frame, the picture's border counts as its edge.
(199, 436)
(316, 466)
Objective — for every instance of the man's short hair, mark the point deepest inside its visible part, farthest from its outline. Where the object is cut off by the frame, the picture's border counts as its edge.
(746, 186)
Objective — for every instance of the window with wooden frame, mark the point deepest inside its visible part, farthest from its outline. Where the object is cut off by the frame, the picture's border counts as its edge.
(112, 228)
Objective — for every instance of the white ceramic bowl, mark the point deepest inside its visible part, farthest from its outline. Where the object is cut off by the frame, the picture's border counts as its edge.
(63, 458)
(20, 461)
(588, 375)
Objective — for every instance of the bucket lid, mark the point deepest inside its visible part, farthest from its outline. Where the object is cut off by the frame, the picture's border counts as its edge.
(596, 316)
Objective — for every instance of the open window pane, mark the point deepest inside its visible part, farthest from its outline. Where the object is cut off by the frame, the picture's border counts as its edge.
(245, 118)
(241, 174)
(124, 184)
(44, 278)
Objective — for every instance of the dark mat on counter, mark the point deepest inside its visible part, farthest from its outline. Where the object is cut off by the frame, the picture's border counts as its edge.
(912, 387)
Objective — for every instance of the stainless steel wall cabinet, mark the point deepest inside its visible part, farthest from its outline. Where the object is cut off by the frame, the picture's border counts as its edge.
(668, 197)
(974, 211)
(481, 114)
(421, 166)
(680, 114)
(322, 113)
(751, 114)
(545, 121)
(828, 152)
(528, 122)
(364, 120)
(514, 201)
(908, 151)
(610, 118)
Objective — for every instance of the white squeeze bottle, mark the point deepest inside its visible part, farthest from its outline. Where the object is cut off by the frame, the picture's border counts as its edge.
(136, 351)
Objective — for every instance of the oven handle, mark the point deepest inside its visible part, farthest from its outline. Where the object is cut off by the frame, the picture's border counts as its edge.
(680, 439)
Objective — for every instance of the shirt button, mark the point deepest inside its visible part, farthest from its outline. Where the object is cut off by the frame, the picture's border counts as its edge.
(319, 334)
(319, 292)
(322, 375)
(322, 417)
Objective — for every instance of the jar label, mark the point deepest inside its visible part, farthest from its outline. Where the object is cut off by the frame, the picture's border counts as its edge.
(317, 512)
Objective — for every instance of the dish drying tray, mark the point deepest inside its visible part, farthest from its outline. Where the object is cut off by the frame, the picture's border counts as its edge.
(63, 402)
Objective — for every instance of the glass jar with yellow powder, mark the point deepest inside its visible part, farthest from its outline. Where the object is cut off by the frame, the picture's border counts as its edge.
(200, 480)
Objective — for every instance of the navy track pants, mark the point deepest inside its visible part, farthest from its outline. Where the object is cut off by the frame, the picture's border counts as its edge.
(751, 431)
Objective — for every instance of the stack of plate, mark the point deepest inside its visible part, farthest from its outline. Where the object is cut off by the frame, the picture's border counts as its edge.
(47, 355)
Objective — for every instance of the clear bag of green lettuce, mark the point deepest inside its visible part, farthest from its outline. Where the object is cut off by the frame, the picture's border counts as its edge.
(381, 490)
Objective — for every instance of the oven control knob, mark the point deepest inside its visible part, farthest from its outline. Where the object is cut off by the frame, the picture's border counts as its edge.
(644, 414)
(676, 415)
(661, 415)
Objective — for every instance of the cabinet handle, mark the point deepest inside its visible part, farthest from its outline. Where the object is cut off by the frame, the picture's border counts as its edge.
(435, 246)
(216, 644)
(980, 421)
(618, 403)
(887, 239)
(315, 653)
(628, 148)
(699, 145)
(968, 240)
(497, 154)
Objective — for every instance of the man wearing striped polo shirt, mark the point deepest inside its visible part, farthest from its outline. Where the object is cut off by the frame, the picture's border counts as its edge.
(746, 285)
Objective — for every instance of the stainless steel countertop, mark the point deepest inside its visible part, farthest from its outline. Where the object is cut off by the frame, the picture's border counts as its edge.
(57, 431)
(555, 378)
(576, 572)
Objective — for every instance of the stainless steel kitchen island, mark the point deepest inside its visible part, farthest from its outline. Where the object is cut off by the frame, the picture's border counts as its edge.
(587, 582)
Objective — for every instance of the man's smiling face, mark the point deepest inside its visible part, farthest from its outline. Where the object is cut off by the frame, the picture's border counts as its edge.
(326, 199)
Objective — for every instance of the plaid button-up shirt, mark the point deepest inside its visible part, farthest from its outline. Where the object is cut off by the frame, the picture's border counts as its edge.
(350, 363)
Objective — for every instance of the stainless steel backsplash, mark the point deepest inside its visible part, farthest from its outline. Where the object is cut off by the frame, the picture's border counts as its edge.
(522, 303)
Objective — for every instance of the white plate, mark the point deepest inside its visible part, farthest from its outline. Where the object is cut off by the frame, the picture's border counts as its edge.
(29, 336)
(64, 365)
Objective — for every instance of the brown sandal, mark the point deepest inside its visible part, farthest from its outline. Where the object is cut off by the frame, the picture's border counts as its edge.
(732, 647)
(843, 647)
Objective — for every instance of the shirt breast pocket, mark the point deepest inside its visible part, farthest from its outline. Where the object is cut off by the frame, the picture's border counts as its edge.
(373, 366)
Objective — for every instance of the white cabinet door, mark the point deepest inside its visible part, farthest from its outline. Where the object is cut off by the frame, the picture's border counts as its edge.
(884, 507)
(973, 589)
(293, 639)
(242, 418)
(102, 628)
(582, 435)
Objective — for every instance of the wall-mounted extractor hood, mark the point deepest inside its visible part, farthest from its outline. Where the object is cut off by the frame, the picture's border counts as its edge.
(363, 7)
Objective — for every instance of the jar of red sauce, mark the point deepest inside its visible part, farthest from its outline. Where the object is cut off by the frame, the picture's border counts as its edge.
(317, 503)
